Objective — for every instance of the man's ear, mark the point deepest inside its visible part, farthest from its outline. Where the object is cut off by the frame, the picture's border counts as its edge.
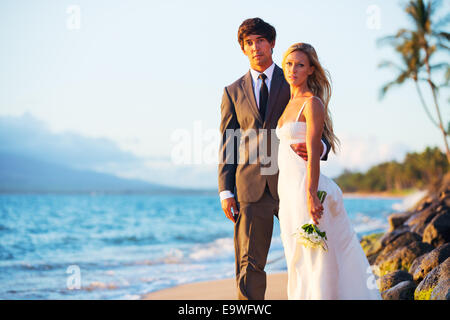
(272, 45)
(243, 51)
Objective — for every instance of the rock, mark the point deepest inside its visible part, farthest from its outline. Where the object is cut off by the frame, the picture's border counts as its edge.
(441, 291)
(427, 262)
(437, 231)
(391, 236)
(436, 284)
(371, 259)
(417, 270)
(424, 203)
(419, 221)
(395, 240)
(401, 291)
(393, 278)
(402, 258)
(444, 197)
(444, 190)
(371, 245)
(444, 194)
(446, 201)
(396, 220)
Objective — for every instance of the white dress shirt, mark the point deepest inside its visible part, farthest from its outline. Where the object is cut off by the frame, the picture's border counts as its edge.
(258, 82)
(256, 88)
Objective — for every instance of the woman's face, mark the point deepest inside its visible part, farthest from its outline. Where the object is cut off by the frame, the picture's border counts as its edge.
(297, 68)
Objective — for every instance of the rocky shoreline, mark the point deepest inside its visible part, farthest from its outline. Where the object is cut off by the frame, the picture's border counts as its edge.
(412, 259)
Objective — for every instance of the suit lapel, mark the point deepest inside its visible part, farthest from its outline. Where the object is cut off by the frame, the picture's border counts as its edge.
(247, 86)
(275, 85)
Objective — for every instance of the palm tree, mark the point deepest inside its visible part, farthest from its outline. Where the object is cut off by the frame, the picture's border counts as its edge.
(421, 15)
(417, 47)
(409, 70)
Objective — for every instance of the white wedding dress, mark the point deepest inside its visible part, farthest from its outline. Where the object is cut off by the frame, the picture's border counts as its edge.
(343, 271)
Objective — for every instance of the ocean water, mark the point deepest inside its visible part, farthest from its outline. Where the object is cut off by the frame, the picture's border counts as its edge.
(122, 246)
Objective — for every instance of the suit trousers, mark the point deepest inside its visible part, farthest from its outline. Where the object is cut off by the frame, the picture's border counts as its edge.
(252, 236)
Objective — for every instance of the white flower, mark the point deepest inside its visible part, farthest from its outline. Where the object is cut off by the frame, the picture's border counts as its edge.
(311, 239)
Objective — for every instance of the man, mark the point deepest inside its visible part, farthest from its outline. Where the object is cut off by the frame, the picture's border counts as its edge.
(253, 103)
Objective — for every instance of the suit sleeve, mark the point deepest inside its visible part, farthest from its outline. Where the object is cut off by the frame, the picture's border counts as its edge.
(228, 146)
(327, 144)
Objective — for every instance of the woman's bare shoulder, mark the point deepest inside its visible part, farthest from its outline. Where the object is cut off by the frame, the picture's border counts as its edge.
(314, 104)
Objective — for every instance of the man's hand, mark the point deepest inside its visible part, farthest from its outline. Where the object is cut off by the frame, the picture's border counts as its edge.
(300, 149)
(227, 205)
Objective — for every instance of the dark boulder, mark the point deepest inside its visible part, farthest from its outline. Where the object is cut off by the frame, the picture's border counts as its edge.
(394, 241)
(419, 221)
(396, 220)
(436, 284)
(401, 291)
(391, 279)
(424, 203)
(427, 262)
(437, 231)
(401, 258)
(389, 237)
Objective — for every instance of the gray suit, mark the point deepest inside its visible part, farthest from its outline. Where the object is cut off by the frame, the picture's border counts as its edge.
(257, 196)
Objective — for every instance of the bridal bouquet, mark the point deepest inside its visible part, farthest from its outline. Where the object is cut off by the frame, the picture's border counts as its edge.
(310, 235)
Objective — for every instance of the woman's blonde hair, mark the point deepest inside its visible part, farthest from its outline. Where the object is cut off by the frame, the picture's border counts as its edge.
(320, 84)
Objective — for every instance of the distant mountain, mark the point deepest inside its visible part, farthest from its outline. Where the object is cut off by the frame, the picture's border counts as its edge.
(19, 173)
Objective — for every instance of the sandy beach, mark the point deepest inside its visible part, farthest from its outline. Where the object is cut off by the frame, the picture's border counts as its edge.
(219, 290)
(386, 195)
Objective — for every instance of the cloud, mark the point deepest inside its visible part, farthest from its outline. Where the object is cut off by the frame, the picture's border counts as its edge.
(359, 153)
(30, 136)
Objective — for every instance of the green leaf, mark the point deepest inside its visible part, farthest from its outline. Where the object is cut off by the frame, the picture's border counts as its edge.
(321, 195)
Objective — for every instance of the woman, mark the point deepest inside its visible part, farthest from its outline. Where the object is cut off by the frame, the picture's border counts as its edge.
(341, 272)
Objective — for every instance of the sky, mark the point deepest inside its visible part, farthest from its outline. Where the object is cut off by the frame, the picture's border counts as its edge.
(128, 84)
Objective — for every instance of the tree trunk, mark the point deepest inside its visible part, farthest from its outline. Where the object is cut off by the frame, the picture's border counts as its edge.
(433, 90)
(441, 127)
(424, 105)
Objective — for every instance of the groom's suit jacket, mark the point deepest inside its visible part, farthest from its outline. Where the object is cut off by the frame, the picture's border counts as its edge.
(240, 111)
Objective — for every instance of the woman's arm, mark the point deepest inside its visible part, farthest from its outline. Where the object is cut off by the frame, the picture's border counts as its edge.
(315, 116)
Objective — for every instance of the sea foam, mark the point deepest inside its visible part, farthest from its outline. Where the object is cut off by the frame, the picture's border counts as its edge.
(409, 201)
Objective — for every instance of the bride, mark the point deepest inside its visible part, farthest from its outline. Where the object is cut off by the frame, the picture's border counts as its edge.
(341, 272)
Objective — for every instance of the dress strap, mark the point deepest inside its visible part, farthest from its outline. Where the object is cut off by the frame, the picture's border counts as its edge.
(301, 109)
(304, 103)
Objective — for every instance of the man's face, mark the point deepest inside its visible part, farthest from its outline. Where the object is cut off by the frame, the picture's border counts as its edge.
(259, 51)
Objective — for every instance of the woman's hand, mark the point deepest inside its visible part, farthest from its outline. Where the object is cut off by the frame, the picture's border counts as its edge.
(315, 207)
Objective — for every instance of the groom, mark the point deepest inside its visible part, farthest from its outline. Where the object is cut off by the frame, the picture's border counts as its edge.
(253, 102)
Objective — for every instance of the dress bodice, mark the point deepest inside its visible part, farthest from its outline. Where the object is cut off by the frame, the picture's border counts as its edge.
(292, 132)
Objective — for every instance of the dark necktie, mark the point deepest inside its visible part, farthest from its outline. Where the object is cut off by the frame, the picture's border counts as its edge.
(263, 96)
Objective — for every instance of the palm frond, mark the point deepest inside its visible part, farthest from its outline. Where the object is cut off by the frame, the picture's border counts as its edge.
(394, 39)
(399, 80)
(390, 64)
(384, 89)
(439, 66)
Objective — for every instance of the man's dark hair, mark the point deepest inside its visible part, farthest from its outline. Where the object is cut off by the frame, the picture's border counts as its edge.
(256, 26)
